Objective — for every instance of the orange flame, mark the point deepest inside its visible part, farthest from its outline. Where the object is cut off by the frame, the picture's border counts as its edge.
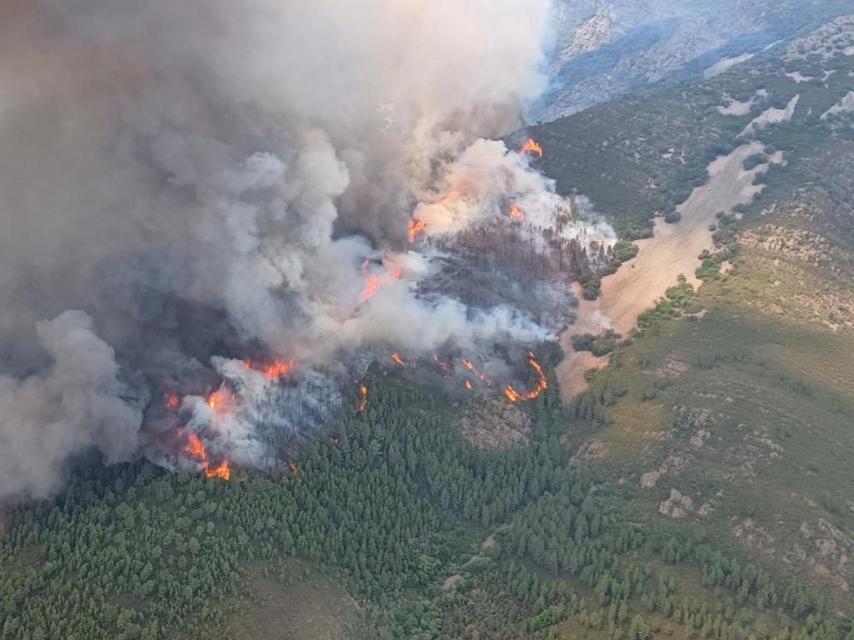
(221, 471)
(372, 286)
(511, 394)
(278, 369)
(363, 398)
(457, 192)
(293, 467)
(542, 383)
(532, 147)
(400, 362)
(416, 228)
(468, 385)
(172, 400)
(374, 282)
(221, 400)
(195, 450)
(274, 370)
(469, 365)
(516, 212)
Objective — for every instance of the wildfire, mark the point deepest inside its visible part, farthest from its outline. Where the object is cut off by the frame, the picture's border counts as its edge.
(469, 365)
(516, 212)
(374, 282)
(195, 450)
(293, 467)
(172, 400)
(459, 191)
(362, 403)
(443, 366)
(532, 148)
(221, 400)
(221, 471)
(542, 383)
(416, 228)
(469, 385)
(274, 370)
(400, 362)
(372, 286)
(278, 369)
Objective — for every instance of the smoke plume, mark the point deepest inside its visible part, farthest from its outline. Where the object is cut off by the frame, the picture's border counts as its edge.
(78, 402)
(210, 181)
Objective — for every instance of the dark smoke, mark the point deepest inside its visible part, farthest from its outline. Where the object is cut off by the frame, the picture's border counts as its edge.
(204, 180)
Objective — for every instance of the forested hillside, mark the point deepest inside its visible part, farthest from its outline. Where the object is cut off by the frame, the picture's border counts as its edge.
(396, 506)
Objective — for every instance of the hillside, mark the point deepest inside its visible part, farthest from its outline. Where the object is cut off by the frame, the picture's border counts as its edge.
(695, 483)
(738, 396)
(605, 49)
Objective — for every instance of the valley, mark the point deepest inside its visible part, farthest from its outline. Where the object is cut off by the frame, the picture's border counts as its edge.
(677, 465)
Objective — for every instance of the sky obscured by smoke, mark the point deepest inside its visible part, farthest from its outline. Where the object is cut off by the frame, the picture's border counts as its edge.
(193, 174)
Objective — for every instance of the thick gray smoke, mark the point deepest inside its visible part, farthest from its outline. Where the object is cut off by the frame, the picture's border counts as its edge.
(77, 403)
(197, 175)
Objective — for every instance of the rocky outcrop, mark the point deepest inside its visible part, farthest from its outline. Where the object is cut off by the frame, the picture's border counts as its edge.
(677, 505)
(671, 466)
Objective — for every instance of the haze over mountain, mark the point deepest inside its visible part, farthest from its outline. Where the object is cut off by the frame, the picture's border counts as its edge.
(607, 48)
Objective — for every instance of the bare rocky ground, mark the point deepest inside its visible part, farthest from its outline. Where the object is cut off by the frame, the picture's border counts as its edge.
(816, 545)
(820, 546)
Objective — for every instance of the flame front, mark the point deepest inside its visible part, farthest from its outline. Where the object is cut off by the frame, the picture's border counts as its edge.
(274, 370)
(416, 228)
(469, 365)
(172, 400)
(221, 471)
(532, 148)
(516, 212)
(195, 450)
(362, 403)
(221, 400)
(457, 192)
(374, 282)
(293, 467)
(542, 383)
(400, 362)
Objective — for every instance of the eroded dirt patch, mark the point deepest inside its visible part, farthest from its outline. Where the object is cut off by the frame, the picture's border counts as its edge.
(671, 252)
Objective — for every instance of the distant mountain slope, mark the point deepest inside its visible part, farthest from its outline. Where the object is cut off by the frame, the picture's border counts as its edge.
(608, 48)
(729, 408)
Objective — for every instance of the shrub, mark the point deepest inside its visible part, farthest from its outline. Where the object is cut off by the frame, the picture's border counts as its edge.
(624, 251)
(751, 162)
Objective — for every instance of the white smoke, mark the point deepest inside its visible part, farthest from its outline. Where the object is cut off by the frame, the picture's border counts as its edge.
(478, 184)
(247, 158)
